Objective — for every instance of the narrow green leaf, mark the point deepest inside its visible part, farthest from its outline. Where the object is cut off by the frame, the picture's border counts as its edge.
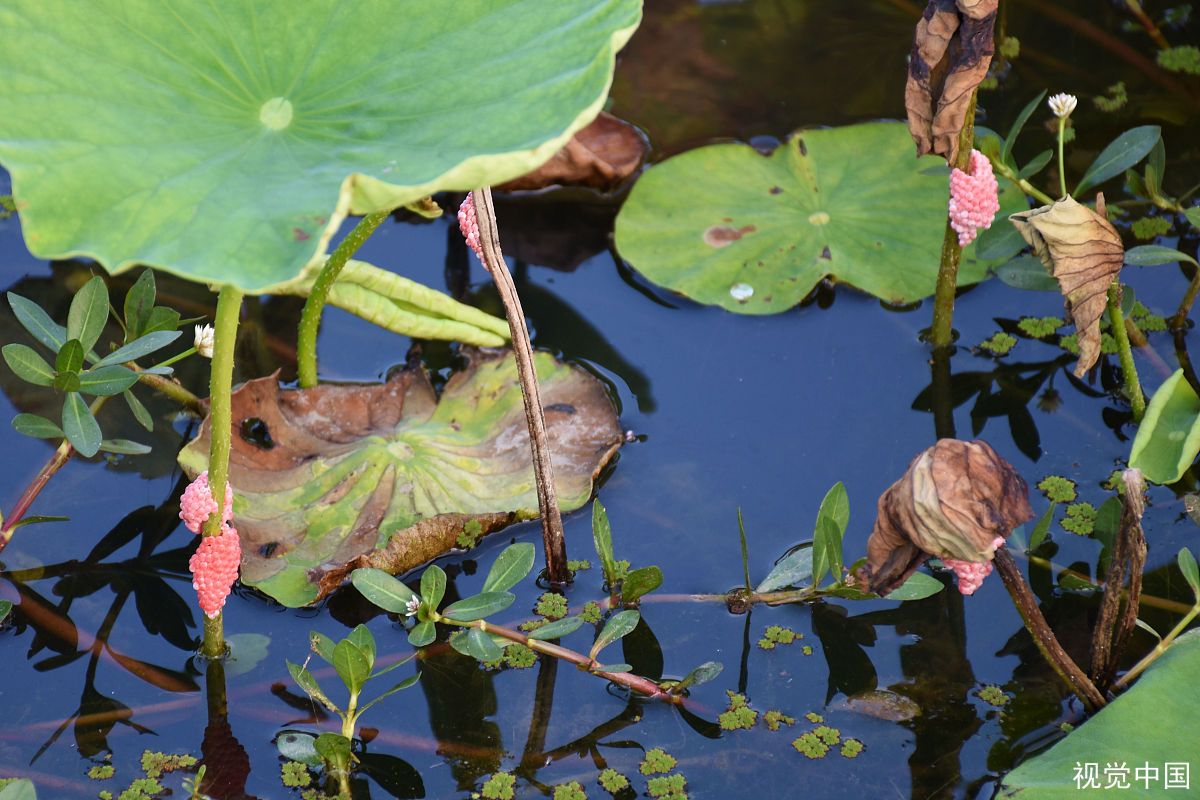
(362, 638)
(433, 586)
(394, 665)
(827, 551)
(6, 608)
(335, 751)
(305, 680)
(36, 519)
(1146, 627)
(162, 319)
(917, 587)
(27, 365)
(139, 411)
(1156, 167)
(1151, 255)
(423, 633)
(602, 538)
(510, 567)
(1191, 574)
(88, 313)
(402, 685)
(384, 590)
(479, 606)
(836, 506)
(1027, 272)
(139, 302)
(139, 347)
(38, 322)
(794, 569)
(618, 626)
(79, 426)
(557, 629)
(1168, 439)
(106, 381)
(1122, 153)
(481, 647)
(1036, 164)
(458, 640)
(70, 357)
(640, 582)
(1192, 214)
(352, 665)
(1108, 522)
(745, 550)
(124, 447)
(1010, 140)
(613, 668)
(322, 645)
(1042, 528)
(704, 673)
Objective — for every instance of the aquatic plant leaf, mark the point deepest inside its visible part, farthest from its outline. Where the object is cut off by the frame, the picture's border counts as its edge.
(384, 590)
(139, 347)
(6, 608)
(640, 582)
(602, 539)
(388, 475)
(954, 500)
(37, 322)
(1083, 251)
(433, 586)
(510, 567)
(422, 633)
(80, 427)
(600, 156)
(28, 365)
(228, 147)
(305, 680)
(1187, 567)
(1151, 255)
(480, 646)
(917, 587)
(1143, 726)
(557, 629)
(726, 226)
(21, 789)
(479, 606)
(1027, 272)
(952, 50)
(704, 673)
(827, 551)
(618, 626)
(1168, 440)
(88, 313)
(794, 569)
(1122, 153)
(1010, 140)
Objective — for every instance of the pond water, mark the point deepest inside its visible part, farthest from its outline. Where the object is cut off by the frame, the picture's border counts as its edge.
(762, 414)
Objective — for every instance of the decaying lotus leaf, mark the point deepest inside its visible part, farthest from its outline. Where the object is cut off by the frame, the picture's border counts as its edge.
(600, 156)
(333, 478)
(1083, 251)
(951, 53)
(953, 502)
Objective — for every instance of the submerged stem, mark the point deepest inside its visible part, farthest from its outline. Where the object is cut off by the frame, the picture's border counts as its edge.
(310, 316)
(941, 333)
(220, 423)
(1133, 387)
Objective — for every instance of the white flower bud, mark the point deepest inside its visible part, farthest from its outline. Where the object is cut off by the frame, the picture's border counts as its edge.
(204, 340)
(1063, 104)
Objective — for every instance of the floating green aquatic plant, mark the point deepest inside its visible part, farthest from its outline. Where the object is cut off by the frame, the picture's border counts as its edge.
(1057, 488)
(738, 715)
(993, 695)
(667, 787)
(1000, 343)
(500, 786)
(1080, 519)
(612, 781)
(776, 635)
(552, 606)
(775, 719)
(655, 761)
(569, 791)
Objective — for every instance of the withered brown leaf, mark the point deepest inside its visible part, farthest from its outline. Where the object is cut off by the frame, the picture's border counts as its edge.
(952, 50)
(1083, 251)
(600, 156)
(953, 502)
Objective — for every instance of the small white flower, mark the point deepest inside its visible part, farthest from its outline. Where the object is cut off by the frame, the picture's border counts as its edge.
(412, 607)
(204, 340)
(1063, 104)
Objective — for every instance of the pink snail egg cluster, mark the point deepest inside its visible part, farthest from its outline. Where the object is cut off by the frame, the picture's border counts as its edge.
(197, 503)
(468, 223)
(971, 573)
(974, 198)
(214, 568)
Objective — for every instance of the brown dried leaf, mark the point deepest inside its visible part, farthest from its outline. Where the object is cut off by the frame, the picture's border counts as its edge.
(1083, 251)
(953, 501)
(600, 156)
(389, 475)
(952, 50)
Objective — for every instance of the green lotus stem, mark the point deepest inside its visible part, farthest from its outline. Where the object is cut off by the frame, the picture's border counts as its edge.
(310, 316)
(1025, 186)
(220, 423)
(1158, 650)
(1062, 171)
(941, 333)
(1133, 387)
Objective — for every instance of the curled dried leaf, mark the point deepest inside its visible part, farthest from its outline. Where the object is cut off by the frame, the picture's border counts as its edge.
(952, 50)
(600, 156)
(1083, 251)
(954, 502)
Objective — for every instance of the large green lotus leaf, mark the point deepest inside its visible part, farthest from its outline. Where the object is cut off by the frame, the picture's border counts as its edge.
(389, 475)
(226, 142)
(726, 225)
(1153, 722)
(1168, 439)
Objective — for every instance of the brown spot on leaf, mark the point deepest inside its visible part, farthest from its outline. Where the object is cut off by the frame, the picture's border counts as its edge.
(826, 255)
(775, 190)
(300, 235)
(725, 235)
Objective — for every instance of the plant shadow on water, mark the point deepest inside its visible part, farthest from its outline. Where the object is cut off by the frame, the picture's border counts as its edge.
(761, 413)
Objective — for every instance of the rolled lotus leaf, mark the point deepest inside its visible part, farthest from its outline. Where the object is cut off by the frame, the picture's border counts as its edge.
(954, 501)
(1083, 251)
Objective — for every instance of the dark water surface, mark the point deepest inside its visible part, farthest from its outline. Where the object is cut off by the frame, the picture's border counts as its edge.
(759, 413)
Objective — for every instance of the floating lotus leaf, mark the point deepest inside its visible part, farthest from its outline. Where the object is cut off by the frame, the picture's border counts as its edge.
(1145, 726)
(226, 143)
(390, 475)
(728, 226)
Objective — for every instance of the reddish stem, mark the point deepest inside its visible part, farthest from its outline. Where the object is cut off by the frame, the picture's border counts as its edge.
(61, 456)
